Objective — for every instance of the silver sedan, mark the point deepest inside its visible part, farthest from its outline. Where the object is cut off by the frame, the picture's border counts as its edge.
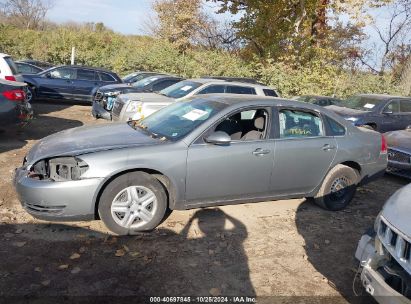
(207, 151)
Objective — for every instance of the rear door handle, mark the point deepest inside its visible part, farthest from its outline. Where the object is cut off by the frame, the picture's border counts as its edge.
(328, 147)
(261, 152)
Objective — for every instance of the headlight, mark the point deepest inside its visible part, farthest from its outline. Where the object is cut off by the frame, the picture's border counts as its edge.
(134, 106)
(353, 119)
(59, 169)
(115, 93)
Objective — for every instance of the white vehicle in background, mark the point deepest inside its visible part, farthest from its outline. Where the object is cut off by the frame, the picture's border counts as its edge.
(8, 69)
(136, 106)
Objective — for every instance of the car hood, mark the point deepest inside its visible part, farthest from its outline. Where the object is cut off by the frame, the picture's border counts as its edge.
(397, 210)
(346, 112)
(399, 139)
(146, 97)
(88, 139)
(113, 87)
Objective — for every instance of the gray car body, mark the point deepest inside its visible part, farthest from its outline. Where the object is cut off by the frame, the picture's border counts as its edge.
(196, 173)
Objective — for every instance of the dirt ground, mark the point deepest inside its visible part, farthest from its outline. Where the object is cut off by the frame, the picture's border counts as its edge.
(282, 252)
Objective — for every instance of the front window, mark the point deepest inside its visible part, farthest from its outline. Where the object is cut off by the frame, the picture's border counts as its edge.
(63, 73)
(180, 89)
(179, 119)
(362, 103)
(294, 123)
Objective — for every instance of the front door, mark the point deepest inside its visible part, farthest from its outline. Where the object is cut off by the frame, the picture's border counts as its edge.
(239, 170)
(303, 153)
(391, 117)
(58, 83)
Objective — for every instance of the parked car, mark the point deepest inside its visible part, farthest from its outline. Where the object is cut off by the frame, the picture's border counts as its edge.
(104, 99)
(27, 68)
(8, 69)
(399, 152)
(68, 82)
(208, 151)
(320, 100)
(384, 252)
(13, 107)
(382, 113)
(137, 76)
(38, 63)
(139, 105)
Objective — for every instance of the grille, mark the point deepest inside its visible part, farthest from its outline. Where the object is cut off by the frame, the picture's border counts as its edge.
(39, 209)
(396, 244)
(398, 156)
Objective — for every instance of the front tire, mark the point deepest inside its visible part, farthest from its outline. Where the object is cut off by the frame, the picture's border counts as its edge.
(338, 188)
(132, 203)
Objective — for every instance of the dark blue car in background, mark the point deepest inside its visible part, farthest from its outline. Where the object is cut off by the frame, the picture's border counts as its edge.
(68, 82)
(382, 113)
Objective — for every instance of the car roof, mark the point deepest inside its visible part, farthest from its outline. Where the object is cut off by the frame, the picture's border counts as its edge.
(381, 96)
(2, 55)
(162, 76)
(319, 96)
(221, 81)
(85, 67)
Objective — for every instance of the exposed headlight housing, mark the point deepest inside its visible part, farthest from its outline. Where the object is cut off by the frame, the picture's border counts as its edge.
(115, 93)
(352, 119)
(59, 169)
(134, 106)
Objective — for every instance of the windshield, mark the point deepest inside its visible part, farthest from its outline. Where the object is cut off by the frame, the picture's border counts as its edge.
(144, 82)
(133, 77)
(361, 103)
(180, 89)
(180, 118)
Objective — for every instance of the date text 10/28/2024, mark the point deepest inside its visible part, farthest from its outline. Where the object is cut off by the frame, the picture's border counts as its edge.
(200, 299)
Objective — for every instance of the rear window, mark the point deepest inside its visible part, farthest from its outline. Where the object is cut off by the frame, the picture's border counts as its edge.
(405, 106)
(85, 75)
(268, 92)
(241, 90)
(11, 64)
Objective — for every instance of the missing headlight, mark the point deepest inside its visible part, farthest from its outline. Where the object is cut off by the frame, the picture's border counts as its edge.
(66, 168)
(59, 169)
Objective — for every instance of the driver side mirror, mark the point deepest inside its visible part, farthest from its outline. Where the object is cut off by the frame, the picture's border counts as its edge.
(218, 138)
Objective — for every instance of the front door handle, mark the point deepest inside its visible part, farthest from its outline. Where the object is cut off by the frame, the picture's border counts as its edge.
(328, 147)
(261, 152)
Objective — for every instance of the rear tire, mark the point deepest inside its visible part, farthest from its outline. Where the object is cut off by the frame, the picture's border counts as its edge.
(132, 203)
(338, 188)
(30, 94)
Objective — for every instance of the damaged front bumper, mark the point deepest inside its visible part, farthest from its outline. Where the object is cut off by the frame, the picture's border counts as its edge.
(57, 201)
(376, 280)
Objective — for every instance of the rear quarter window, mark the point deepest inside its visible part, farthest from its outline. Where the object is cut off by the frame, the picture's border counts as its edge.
(268, 92)
(335, 128)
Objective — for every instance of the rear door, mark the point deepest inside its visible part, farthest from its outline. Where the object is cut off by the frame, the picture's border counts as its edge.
(86, 80)
(303, 153)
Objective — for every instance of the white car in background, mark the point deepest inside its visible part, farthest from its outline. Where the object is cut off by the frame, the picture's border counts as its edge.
(136, 106)
(8, 69)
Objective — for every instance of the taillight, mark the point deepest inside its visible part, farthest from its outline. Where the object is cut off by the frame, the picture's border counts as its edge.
(10, 78)
(14, 95)
(384, 146)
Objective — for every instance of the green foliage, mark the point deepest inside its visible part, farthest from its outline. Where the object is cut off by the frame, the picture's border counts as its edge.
(124, 54)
